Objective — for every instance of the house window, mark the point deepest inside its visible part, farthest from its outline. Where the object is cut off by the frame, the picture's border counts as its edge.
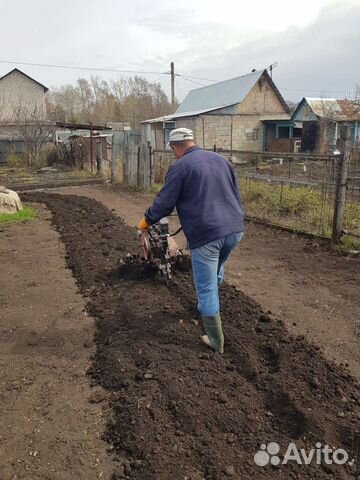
(167, 129)
(297, 132)
(284, 132)
(251, 134)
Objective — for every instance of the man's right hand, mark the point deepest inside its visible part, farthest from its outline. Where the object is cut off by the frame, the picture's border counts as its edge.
(143, 224)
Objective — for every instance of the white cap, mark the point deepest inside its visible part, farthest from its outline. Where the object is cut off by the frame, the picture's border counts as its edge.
(181, 134)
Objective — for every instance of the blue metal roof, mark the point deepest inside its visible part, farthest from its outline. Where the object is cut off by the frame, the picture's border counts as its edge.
(221, 94)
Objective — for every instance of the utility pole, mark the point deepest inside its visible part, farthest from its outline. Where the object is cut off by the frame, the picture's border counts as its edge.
(172, 73)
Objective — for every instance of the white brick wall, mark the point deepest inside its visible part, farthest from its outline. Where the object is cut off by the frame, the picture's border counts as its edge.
(18, 92)
(261, 100)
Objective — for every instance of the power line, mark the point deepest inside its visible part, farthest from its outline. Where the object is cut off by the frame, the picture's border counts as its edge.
(205, 79)
(99, 69)
(77, 67)
(189, 78)
(181, 98)
(159, 78)
(282, 88)
(192, 81)
(314, 91)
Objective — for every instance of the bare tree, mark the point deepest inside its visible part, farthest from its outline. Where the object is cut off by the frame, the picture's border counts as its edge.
(34, 130)
(64, 104)
(87, 99)
(357, 96)
(328, 125)
(119, 100)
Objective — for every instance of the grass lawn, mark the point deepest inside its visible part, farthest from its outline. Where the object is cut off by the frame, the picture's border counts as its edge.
(27, 213)
(302, 208)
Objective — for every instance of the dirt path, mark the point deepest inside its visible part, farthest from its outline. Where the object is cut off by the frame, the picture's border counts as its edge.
(315, 293)
(48, 428)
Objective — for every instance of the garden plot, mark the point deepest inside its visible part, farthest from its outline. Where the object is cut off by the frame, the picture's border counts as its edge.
(178, 410)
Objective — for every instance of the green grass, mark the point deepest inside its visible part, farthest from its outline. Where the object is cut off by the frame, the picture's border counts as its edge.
(81, 174)
(26, 214)
(22, 174)
(349, 243)
(155, 188)
(302, 208)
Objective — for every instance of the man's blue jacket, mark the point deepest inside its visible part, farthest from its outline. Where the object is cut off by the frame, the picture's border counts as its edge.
(204, 189)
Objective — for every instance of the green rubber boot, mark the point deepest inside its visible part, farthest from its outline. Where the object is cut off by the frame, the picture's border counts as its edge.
(214, 337)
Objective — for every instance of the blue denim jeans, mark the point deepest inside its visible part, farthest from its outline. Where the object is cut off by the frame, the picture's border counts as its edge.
(208, 271)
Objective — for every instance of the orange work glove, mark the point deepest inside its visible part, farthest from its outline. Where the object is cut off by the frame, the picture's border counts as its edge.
(143, 224)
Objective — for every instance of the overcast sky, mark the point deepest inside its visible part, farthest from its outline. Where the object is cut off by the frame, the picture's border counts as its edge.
(315, 42)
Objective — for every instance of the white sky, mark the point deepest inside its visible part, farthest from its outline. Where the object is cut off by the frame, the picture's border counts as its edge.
(262, 15)
(316, 42)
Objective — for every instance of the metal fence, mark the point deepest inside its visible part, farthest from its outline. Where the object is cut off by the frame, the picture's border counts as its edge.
(296, 191)
(11, 147)
(300, 191)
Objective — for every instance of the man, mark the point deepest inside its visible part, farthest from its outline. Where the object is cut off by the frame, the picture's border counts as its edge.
(203, 188)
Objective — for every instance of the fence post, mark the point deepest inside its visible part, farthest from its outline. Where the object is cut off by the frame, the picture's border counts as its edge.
(289, 167)
(138, 176)
(340, 191)
(91, 149)
(150, 165)
(126, 165)
(113, 162)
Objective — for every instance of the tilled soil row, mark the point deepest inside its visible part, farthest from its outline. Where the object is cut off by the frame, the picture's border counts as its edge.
(179, 411)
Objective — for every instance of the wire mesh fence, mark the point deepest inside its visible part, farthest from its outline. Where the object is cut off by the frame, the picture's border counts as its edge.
(296, 191)
(299, 206)
(352, 207)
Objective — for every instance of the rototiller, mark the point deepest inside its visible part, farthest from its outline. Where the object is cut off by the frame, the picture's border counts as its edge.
(159, 249)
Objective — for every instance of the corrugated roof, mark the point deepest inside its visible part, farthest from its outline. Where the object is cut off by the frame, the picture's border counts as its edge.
(173, 116)
(350, 109)
(81, 126)
(325, 107)
(332, 109)
(218, 95)
(165, 118)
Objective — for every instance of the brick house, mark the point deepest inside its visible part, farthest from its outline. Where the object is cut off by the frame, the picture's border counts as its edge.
(22, 102)
(18, 91)
(228, 114)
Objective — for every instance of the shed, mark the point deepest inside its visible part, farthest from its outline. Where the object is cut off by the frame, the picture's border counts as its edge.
(323, 120)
